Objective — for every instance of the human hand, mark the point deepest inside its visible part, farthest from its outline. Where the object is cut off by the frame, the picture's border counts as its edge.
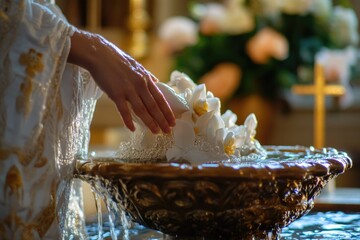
(124, 80)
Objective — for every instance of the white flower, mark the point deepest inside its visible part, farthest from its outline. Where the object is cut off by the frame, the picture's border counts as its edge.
(344, 27)
(180, 82)
(229, 118)
(337, 63)
(211, 17)
(270, 7)
(214, 12)
(185, 148)
(214, 124)
(238, 19)
(337, 69)
(201, 133)
(210, 11)
(203, 125)
(240, 133)
(203, 122)
(199, 101)
(250, 125)
(184, 143)
(229, 144)
(296, 7)
(198, 11)
(322, 9)
(178, 32)
(177, 103)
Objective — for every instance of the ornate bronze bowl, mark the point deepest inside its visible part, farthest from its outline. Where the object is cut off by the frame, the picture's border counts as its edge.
(251, 199)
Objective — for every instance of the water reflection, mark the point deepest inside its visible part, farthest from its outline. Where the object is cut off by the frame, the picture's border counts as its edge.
(317, 225)
(328, 225)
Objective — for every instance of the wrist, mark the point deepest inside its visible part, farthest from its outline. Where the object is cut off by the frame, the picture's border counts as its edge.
(84, 48)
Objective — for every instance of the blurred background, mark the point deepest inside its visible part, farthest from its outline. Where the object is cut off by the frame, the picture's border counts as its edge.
(249, 53)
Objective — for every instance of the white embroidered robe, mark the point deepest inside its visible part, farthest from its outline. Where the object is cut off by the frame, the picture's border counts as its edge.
(46, 106)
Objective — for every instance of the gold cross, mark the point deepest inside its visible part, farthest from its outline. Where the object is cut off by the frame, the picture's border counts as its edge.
(320, 90)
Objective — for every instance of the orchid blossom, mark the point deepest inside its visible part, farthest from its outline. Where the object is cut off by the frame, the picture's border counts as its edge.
(201, 133)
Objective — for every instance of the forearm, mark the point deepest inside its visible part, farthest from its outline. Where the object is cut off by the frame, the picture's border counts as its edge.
(102, 59)
(91, 51)
(123, 79)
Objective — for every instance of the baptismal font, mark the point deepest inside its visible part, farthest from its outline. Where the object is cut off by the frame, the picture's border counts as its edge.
(210, 177)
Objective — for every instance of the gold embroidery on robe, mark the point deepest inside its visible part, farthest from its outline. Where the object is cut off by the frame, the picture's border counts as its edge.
(36, 154)
(41, 223)
(24, 156)
(4, 16)
(27, 233)
(4, 7)
(13, 182)
(32, 61)
(47, 216)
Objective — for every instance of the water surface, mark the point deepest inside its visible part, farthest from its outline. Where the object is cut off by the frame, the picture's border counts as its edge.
(315, 225)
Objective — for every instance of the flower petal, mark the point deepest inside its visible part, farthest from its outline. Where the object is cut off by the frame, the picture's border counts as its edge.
(199, 93)
(214, 104)
(178, 32)
(214, 124)
(181, 82)
(251, 122)
(174, 153)
(240, 135)
(178, 105)
(202, 123)
(229, 118)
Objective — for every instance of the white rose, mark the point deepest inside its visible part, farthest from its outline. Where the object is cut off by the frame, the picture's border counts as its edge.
(337, 68)
(178, 32)
(322, 9)
(238, 19)
(337, 63)
(344, 26)
(210, 10)
(213, 15)
(270, 7)
(296, 7)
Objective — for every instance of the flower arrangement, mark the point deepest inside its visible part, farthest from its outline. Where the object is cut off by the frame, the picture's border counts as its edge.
(242, 47)
(202, 133)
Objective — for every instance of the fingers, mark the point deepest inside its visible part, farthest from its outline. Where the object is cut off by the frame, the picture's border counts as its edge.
(146, 100)
(152, 77)
(151, 107)
(154, 110)
(125, 113)
(142, 112)
(160, 100)
(150, 111)
(131, 87)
